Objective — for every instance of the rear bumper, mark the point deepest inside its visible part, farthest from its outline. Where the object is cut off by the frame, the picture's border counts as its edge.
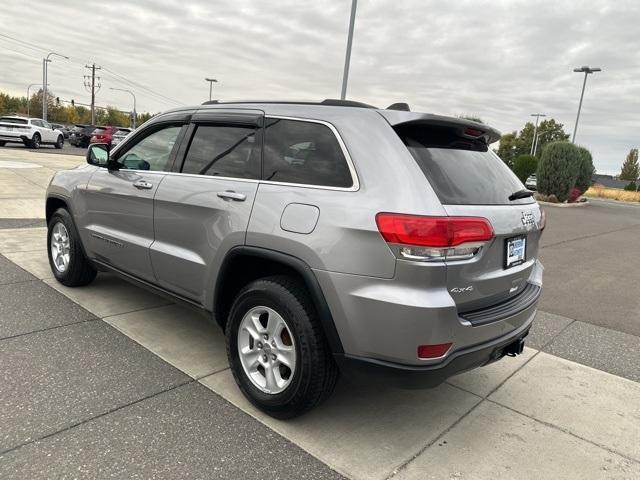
(9, 137)
(428, 376)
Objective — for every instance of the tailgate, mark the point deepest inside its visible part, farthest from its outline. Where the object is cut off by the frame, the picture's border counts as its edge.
(491, 279)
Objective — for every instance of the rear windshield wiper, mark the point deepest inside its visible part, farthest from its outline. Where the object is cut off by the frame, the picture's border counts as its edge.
(524, 193)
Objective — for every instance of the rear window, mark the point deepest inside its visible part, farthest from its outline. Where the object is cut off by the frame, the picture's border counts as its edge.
(461, 171)
(17, 121)
(99, 131)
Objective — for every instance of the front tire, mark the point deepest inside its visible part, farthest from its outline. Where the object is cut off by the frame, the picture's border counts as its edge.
(60, 142)
(2, 144)
(35, 141)
(66, 257)
(277, 351)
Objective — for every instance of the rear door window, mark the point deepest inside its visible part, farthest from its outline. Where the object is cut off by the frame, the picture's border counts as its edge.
(304, 152)
(461, 171)
(223, 151)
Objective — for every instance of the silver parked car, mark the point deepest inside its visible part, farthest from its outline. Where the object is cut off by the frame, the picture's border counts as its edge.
(119, 136)
(323, 238)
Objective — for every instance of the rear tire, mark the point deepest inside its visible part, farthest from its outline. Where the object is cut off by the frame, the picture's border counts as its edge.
(66, 257)
(60, 142)
(314, 374)
(2, 144)
(35, 141)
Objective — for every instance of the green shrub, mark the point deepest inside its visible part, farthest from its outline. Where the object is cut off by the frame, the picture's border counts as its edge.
(585, 169)
(631, 187)
(558, 169)
(525, 165)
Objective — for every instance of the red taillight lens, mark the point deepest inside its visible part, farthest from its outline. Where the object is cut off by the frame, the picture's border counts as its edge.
(436, 232)
(433, 351)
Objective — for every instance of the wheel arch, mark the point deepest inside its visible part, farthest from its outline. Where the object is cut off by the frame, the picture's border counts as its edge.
(244, 264)
(53, 203)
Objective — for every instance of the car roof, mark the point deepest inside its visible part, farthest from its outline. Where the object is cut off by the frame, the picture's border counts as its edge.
(396, 114)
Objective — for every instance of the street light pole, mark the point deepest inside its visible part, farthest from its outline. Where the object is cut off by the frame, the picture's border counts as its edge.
(44, 82)
(347, 57)
(535, 130)
(537, 138)
(211, 82)
(587, 71)
(134, 102)
(28, 97)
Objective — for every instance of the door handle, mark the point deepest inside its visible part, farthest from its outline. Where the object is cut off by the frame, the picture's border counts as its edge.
(231, 195)
(143, 185)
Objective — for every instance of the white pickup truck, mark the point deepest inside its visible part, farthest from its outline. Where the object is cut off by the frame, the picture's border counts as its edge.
(32, 132)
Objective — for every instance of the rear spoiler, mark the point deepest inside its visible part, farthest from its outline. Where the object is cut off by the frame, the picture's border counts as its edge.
(468, 128)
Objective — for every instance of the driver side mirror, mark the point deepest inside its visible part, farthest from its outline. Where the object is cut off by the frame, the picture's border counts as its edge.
(98, 155)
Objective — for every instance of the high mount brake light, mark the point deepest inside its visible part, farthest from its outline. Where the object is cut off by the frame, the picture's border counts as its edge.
(434, 238)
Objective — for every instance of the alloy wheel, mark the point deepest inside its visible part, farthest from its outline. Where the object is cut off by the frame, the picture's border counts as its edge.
(266, 349)
(60, 247)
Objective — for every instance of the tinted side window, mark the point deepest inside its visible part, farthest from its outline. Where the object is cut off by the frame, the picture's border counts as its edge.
(223, 150)
(153, 151)
(37, 123)
(304, 152)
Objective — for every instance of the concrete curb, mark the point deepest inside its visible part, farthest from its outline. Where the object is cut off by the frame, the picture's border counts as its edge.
(564, 205)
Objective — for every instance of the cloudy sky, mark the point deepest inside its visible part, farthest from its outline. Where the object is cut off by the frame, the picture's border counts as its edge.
(500, 60)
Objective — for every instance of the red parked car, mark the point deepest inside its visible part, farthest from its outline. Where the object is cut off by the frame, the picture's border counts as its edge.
(103, 135)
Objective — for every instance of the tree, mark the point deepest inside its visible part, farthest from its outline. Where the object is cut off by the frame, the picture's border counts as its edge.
(630, 167)
(524, 166)
(508, 148)
(585, 169)
(514, 144)
(558, 169)
(66, 114)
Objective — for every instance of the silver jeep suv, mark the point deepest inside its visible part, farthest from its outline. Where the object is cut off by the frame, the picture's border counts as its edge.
(322, 237)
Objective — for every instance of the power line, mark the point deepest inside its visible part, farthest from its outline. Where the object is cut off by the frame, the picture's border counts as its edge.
(118, 77)
(21, 53)
(139, 85)
(26, 44)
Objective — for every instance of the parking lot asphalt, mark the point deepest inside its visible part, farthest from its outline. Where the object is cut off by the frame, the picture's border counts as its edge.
(111, 381)
(592, 264)
(67, 149)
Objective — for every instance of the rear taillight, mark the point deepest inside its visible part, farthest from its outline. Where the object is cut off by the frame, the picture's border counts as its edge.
(434, 238)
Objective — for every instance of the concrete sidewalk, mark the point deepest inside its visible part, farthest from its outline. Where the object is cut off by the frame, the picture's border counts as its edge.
(536, 416)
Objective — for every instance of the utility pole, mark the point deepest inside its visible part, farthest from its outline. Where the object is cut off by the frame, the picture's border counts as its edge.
(92, 88)
(535, 130)
(347, 57)
(587, 71)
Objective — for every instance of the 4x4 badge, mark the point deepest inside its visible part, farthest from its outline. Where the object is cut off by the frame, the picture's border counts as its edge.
(528, 220)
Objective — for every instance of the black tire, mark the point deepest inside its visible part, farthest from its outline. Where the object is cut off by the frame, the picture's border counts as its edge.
(60, 142)
(35, 141)
(315, 374)
(79, 271)
(2, 144)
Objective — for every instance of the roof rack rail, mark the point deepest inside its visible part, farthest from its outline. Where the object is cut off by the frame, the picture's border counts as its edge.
(329, 102)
